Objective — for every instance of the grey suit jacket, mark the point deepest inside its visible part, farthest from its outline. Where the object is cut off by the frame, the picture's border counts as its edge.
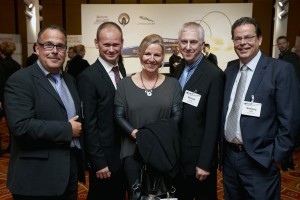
(271, 136)
(39, 163)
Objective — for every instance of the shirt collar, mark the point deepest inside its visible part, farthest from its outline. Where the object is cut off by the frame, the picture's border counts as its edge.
(107, 66)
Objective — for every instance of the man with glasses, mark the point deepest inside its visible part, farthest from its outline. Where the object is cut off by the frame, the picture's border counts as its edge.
(43, 113)
(203, 86)
(260, 117)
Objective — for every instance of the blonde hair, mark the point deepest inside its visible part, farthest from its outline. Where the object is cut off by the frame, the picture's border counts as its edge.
(148, 40)
(7, 48)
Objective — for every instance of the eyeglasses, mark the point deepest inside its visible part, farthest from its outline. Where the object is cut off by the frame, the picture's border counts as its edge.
(238, 40)
(50, 46)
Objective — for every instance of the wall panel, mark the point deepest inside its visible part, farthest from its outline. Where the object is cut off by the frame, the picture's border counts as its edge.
(73, 16)
(8, 17)
(293, 28)
(265, 19)
(52, 12)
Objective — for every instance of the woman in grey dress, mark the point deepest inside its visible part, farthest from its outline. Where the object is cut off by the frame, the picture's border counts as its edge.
(145, 98)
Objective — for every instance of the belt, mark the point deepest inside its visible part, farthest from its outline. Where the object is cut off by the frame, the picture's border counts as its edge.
(235, 147)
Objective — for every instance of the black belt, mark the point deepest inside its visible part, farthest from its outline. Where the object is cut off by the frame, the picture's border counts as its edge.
(235, 147)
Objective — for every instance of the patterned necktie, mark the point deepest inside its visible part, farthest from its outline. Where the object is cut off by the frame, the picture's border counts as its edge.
(68, 103)
(117, 74)
(184, 76)
(233, 116)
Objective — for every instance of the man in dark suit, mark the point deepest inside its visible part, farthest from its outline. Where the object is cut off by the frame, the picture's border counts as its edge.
(174, 60)
(97, 86)
(203, 86)
(210, 56)
(285, 53)
(260, 117)
(43, 112)
(33, 57)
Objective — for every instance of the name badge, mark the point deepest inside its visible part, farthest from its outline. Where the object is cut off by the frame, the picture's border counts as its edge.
(191, 98)
(251, 109)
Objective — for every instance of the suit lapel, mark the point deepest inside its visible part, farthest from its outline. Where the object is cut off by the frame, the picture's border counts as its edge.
(44, 83)
(257, 77)
(105, 77)
(198, 73)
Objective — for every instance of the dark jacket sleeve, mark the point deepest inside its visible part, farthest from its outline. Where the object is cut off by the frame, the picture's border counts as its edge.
(120, 117)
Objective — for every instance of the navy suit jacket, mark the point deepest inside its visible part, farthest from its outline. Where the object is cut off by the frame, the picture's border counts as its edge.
(271, 136)
(39, 163)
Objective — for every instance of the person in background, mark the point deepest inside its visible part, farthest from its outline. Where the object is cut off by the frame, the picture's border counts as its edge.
(141, 100)
(285, 53)
(77, 64)
(174, 60)
(33, 57)
(210, 56)
(43, 113)
(297, 50)
(8, 66)
(71, 55)
(203, 86)
(260, 117)
(97, 86)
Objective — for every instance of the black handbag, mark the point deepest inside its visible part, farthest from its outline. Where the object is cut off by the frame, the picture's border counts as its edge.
(152, 186)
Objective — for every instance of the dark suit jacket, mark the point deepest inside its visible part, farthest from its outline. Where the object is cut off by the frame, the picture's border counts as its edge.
(39, 163)
(102, 135)
(213, 58)
(8, 66)
(76, 65)
(271, 136)
(31, 59)
(292, 58)
(200, 125)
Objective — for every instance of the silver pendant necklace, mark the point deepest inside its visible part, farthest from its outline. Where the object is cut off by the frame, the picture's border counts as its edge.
(148, 91)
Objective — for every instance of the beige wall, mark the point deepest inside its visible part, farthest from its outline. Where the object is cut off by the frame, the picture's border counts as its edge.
(67, 13)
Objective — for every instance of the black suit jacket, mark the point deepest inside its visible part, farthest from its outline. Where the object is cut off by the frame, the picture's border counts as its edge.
(76, 65)
(102, 135)
(200, 125)
(213, 58)
(271, 136)
(292, 58)
(8, 66)
(39, 163)
(31, 59)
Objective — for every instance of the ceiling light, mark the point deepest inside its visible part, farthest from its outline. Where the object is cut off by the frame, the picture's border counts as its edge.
(282, 14)
(29, 4)
(28, 14)
(282, 2)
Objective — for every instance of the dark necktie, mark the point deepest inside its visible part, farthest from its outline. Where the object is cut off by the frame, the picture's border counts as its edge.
(117, 74)
(233, 116)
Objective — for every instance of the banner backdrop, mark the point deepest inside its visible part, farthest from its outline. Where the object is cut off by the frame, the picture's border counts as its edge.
(139, 20)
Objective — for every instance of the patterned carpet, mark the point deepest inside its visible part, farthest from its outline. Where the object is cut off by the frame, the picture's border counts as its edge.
(290, 180)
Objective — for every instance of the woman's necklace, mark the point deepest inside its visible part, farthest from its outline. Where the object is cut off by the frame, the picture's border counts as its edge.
(148, 91)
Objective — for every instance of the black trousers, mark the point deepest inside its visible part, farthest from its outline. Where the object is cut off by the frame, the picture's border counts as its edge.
(113, 188)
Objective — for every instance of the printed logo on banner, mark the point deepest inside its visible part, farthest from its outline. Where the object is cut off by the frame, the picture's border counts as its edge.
(146, 21)
(101, 19)
(123, 19)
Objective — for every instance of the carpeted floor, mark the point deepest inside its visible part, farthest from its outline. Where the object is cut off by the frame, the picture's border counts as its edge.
(290, 180)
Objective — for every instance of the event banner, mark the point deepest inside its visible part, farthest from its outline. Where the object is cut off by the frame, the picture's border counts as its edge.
(140, 20)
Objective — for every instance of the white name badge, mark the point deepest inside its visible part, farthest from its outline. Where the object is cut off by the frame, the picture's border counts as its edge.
(251, 109)
(169, 199)
(191, 98)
